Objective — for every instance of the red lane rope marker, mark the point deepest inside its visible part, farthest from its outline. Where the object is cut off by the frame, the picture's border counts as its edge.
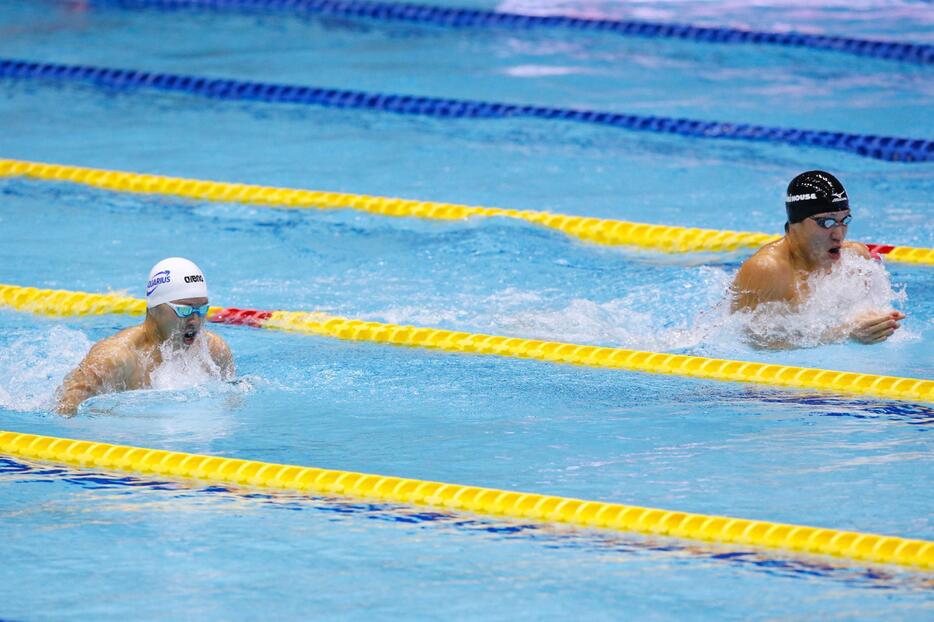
(240, 317)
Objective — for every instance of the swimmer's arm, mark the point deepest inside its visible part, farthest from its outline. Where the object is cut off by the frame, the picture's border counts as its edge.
(222, 356)
(106, 365)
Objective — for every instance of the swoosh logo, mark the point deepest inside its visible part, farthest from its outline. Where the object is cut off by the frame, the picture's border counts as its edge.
(156, 281)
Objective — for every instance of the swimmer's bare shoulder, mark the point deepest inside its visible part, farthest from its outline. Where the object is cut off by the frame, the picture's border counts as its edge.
(112, 363)
(767, 276)
(859, 248)
(220, 354)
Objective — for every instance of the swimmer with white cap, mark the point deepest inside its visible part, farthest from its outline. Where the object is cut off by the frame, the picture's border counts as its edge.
(176, 306)
(818, 211)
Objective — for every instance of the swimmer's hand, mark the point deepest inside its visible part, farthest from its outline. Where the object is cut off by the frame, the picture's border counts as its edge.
(876, 326)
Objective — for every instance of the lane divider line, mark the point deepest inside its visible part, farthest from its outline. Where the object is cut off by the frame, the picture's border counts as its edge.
(890, 148)
(609, 232)
(71, 303)
(456, 17)
(487, 501)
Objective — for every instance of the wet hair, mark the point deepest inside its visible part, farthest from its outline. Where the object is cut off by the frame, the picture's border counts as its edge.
(814, 192)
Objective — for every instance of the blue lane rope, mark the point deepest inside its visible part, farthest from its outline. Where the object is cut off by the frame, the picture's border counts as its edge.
(453, 17)
(879, 147)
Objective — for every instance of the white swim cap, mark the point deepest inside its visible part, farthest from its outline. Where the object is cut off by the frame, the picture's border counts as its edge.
(175, 278)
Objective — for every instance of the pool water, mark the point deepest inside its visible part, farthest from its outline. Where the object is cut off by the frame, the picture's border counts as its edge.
(90, 544)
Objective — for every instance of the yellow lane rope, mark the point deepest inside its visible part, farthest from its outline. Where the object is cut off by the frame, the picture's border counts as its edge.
(489, 501)
(659, 238)
(66, 303)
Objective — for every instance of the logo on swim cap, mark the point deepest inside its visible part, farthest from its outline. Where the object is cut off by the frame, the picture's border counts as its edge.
(175, 278)
(794, 198)
(812, 193)
(158, 279)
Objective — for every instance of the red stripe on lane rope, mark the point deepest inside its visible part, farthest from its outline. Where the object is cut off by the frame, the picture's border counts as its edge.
(241, 317)
(882, 249)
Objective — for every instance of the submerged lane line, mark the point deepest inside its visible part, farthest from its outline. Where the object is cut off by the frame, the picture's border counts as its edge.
(890, 148)
(660, 238)
(71, 303)
(487, 501)
(457, 17)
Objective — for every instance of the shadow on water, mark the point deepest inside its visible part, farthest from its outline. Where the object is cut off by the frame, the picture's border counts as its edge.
(559, 537)
(824, 405)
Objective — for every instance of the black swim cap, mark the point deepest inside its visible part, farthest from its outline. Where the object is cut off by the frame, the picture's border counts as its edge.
(814, 192)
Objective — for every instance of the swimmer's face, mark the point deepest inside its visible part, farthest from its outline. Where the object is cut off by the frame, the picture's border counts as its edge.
(180, 331)
(822, 246)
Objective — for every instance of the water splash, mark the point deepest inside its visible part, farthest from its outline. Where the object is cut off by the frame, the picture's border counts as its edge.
(693, 313)
(33, 366)
(677, 316)
(687, 313)
(185, 375)
(836, 300)
(185, 368)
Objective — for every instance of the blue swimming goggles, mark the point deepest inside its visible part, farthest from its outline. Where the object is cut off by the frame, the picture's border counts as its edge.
(826, 222)
(184, 311)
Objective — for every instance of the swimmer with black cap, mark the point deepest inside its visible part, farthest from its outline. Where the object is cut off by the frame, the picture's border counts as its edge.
(176, 306)
(818, 211)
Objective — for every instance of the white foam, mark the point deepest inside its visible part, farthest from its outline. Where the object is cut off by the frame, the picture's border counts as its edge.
(538, 71)
(836, 300)
(686, 313)
(647, 318)
(34, 365)
(419, 315)
(696, 313)
(655, 317)
(186, 368)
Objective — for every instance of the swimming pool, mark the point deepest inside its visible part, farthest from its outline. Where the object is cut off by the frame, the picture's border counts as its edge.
(174, 549)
